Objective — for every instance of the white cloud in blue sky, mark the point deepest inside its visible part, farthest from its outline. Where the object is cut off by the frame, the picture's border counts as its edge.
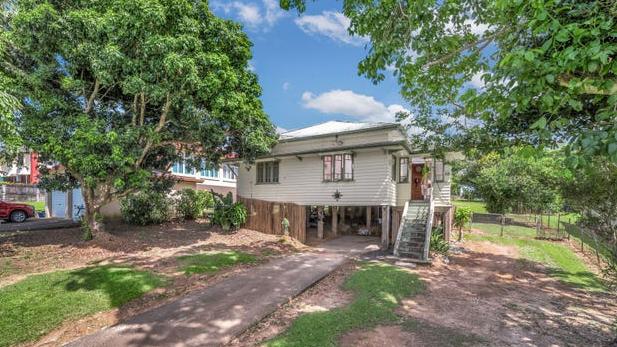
(348, 103)
(255, 15)
(331, 24)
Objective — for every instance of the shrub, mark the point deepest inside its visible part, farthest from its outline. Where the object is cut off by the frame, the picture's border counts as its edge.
(147, 207)
(462, 216)
(228, 214)
(438, 242)
(192, 204)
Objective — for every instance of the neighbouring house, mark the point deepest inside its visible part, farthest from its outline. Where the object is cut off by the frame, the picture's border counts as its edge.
(220, 180)
(23, 170)
(341, 177)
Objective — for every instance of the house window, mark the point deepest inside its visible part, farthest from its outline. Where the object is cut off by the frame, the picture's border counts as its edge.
(209, 171)
(268, 172)
(183, 167)
(348, 166)
(403, 176)
(439, 170)
(228, 172)
(327, 168)
(393, 168)
(337, 167)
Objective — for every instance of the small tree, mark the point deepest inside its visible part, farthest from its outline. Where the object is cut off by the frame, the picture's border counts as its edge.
(462, 216)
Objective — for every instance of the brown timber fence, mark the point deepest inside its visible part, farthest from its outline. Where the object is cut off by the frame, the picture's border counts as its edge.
(267, 217)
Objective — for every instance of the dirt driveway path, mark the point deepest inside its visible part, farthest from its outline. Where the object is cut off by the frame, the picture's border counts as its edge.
(489, 292)
(213, 316)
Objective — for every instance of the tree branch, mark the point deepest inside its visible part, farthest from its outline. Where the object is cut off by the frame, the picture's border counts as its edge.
(142, 111)
(134, 109)
(90, 102)
(483, 42)
(163, 118)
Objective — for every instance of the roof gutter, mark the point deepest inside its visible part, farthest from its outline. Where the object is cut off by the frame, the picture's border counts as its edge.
(381, 127)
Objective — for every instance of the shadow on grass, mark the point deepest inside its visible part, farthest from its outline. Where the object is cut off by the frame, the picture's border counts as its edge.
(378, 289)
(38, 304)
(210, 262)
(119, 284)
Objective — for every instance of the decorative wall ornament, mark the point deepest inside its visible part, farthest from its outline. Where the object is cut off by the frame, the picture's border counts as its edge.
(337, 195)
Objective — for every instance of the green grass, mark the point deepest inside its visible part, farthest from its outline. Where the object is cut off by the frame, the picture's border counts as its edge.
(213, 261)
(474, 206)
(38, 205)
(563, 263)
(34, 306)
(378, 289)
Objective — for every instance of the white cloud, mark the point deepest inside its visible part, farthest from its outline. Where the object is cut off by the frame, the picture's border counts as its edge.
(286, 86)
(330, 24)
(476, 80)
(346, 102)
(252, 14)
(273, 11)
(475, 28)
(280, 130)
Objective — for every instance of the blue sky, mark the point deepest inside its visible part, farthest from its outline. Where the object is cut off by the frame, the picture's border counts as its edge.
(307, 65)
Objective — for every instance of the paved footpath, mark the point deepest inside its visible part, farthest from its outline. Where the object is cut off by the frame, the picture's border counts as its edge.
(217, 314)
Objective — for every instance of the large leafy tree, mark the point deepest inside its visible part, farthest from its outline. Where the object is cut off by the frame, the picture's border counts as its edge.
(519, 180)
(547, 67)
(117, 90)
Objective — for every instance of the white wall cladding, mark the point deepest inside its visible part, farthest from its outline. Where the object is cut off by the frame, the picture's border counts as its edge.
(343, 140)
(300, 182)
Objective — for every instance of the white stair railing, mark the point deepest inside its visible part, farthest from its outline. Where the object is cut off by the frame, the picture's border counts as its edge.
(429, 223)
(400, 229)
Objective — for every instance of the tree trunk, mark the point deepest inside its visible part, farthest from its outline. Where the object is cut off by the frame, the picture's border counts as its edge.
(92, 224)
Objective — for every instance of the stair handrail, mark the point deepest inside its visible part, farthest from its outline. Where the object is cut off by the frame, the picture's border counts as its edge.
(429, 223)
(400, 229)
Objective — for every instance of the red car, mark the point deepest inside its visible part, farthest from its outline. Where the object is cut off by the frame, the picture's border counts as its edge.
(15, 212)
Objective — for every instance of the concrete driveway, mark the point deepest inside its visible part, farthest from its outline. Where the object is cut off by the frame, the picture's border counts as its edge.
(39, 224)
(215, 315)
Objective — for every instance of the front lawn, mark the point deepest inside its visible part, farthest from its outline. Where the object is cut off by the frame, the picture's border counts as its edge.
(474, 206)
(210, 262)
(40, 303)
(378, 289)
(563, 263)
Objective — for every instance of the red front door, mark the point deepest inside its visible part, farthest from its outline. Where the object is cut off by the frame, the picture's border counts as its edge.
(416, 181)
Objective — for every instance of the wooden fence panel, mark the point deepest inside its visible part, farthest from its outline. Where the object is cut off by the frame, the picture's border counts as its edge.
(267, 217)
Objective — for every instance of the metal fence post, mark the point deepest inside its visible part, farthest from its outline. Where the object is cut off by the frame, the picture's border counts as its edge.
(503, 220)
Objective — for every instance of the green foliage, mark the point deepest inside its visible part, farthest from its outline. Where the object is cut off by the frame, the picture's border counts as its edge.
(438, 242)
(120, 89)
(227, 213)
(520, 180)
(34, 306)
(147, 207)
(378, 289)
(492, 72)
(211, 262)
(592, 192)
(192, 204)
(462, 216)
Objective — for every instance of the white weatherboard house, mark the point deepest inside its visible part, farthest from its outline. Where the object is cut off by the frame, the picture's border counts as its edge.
(350, 178)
